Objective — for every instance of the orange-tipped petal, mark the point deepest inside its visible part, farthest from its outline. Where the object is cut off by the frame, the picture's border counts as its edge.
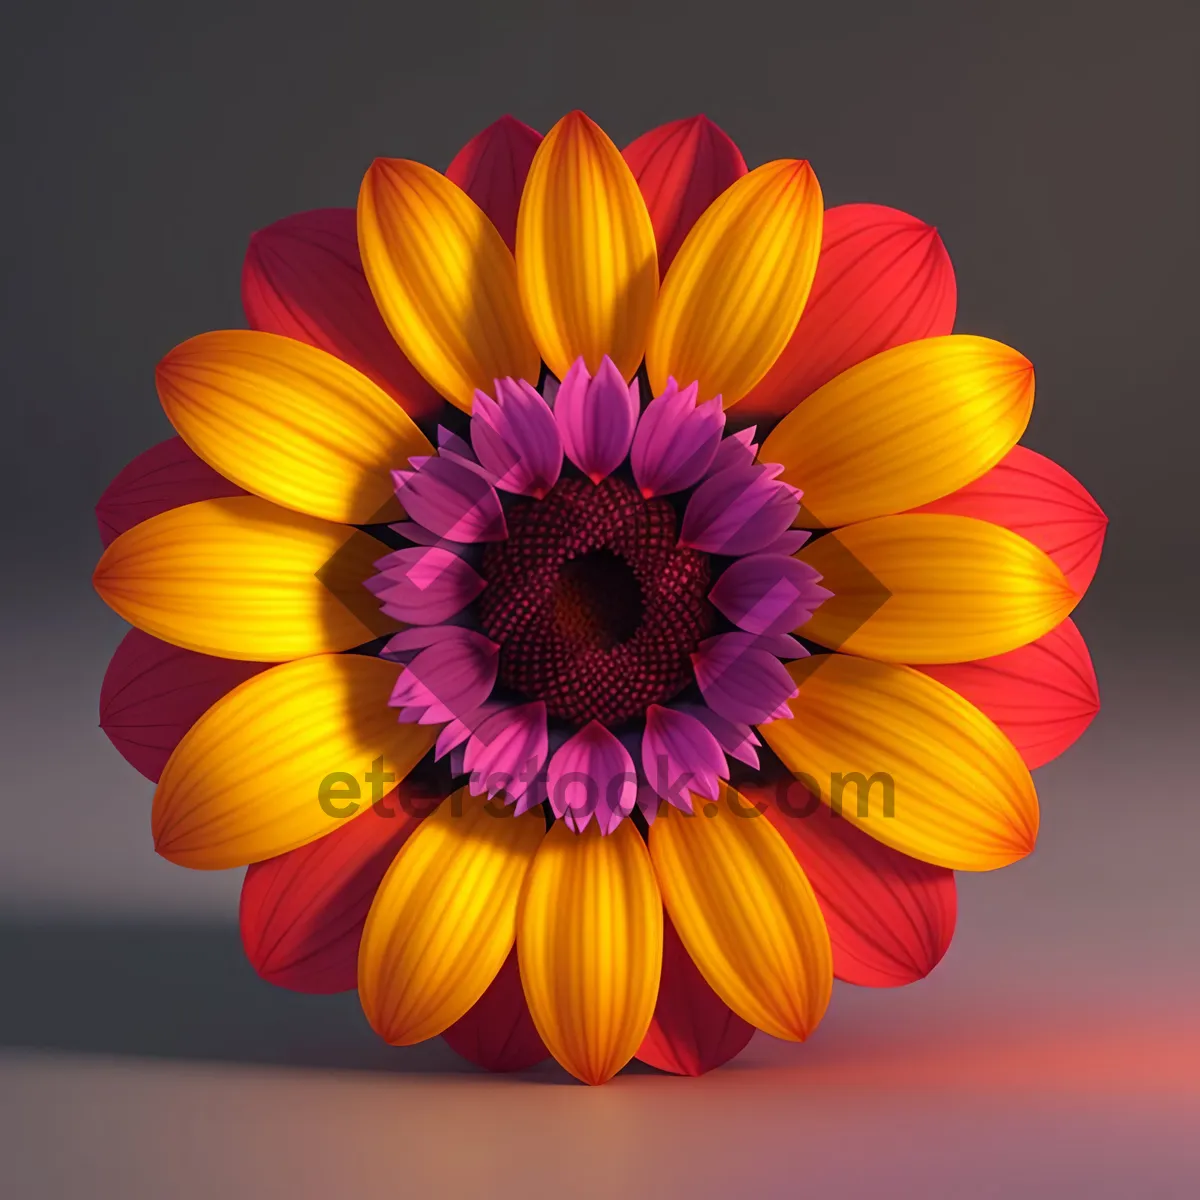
(908, 761)
(732, 298)
(491, 168)
(442, 923)
(166, 476)
(1035, 497)
(890, 917)
(681, 168)
(153, 693)
(953, 589)
(497, 1032)
(693, 1030)
(443, 279)
(243, 578)
(589, 943)
(745, 913)
(586, 259)
(302, 912)
(903, 428)
(883, 278)
(282, 760)
(303, 278)
(289, 423)
(1043, 696)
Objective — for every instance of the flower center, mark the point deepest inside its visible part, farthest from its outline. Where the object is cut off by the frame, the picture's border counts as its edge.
(598, 600)
(595, 607)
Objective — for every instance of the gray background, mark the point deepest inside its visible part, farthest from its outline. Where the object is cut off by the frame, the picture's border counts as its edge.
(1056, 1051)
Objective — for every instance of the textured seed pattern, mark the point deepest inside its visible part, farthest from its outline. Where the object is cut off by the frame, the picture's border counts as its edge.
(595, 607)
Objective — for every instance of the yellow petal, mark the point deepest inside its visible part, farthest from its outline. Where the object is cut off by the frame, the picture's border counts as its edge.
(908, 761)
(933, 588)
(903, 428)
(589, 941)
(443, 920)
(443, 279)
(282, 760)
(586, 260)
(242, 578)
(734, 294)
(745, 913)
(290, 423)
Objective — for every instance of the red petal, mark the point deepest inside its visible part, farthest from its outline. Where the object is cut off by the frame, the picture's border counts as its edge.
(153, 693)
(1035, 497)
(303, 278)
(498, 1033)
(302, 913)
(693, 1030)
(682, 167)
(491, 169)
(883, 278)
(890, 917)
(1043, 696)
(166, 476)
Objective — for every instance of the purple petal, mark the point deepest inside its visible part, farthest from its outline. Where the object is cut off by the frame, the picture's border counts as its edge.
(452, 501)
(737, 450)
(592, 773)
(424, 585)
(740, 681)
(455, 732)
(675, 442)
(788, 542)
(516, 439)
(778, 645)
(447, 679)
(417, 533)
(681, 756)
(456, 450)
(596, 418)
(738, 511)
(768, 593)
(508, 751)
(736, 738)
(404, 646)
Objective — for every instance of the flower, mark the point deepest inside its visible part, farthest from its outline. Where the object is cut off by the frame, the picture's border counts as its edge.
(599, 599)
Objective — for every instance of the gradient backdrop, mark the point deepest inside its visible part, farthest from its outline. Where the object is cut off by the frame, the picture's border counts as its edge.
(1056, 1051)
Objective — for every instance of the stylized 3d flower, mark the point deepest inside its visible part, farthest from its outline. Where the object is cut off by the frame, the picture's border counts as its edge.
(713, 473)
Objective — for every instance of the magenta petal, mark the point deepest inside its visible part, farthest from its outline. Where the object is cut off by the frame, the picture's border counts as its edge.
(675, 442)
(592, 773)
(452, 501)
(447, 679)
(740, 681)
(453, 734)
(507, 751)
(424, 585)
(737, 450)
(419, 534)
(788, 542)
(516, 438)
(736, 738)
(680, 756)
(404, 646)
(456, 450)
(768, 593)
(596, 418)
(738, 511)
